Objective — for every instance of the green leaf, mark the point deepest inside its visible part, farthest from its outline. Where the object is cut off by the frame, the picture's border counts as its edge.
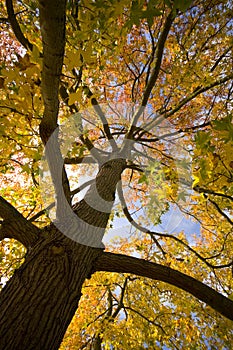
(182, 196)
(182, 5)
(143, 179)
(202, 138)
(223, 124)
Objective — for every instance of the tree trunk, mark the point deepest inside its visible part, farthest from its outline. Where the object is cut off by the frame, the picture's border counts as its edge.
(39, 301)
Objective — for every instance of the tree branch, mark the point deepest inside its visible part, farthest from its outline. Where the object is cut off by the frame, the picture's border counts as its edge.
(120, 302)
(220, 58)
(110, 262)
(205, 190)
(163, 235)
(15, 225)
(52, 205)
(197, 92)
(80, 160)
(102, 117)
(158, 57)
(184, 101)
(155, 72)
(131, 220)
(221, 212)
(164, 136)
(15, 26)
(52, 23)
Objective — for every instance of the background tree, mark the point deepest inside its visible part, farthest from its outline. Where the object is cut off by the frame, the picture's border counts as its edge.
(154, 80)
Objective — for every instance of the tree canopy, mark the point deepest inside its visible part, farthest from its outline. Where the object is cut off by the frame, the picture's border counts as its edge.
(116, 116)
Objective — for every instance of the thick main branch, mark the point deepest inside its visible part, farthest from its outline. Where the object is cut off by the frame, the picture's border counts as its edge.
(15, 225)
(52, 22)
(125, 264)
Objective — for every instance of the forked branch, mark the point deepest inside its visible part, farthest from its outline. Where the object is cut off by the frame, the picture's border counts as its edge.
(198, 91)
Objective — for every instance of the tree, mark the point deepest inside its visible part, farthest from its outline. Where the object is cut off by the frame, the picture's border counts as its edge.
(83, 63)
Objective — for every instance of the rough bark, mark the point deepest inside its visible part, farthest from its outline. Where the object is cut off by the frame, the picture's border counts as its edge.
(15, 226)
(39, 301)
(52, 22)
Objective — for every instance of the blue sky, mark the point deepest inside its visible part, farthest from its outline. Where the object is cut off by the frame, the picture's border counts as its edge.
(172, 221)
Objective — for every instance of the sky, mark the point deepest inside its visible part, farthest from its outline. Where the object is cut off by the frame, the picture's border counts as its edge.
(171, 222)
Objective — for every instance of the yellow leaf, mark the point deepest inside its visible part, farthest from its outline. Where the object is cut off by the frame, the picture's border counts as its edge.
(73, 59)
(75, 96)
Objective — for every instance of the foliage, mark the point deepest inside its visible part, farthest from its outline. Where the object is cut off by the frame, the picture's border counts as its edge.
(117, 54)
